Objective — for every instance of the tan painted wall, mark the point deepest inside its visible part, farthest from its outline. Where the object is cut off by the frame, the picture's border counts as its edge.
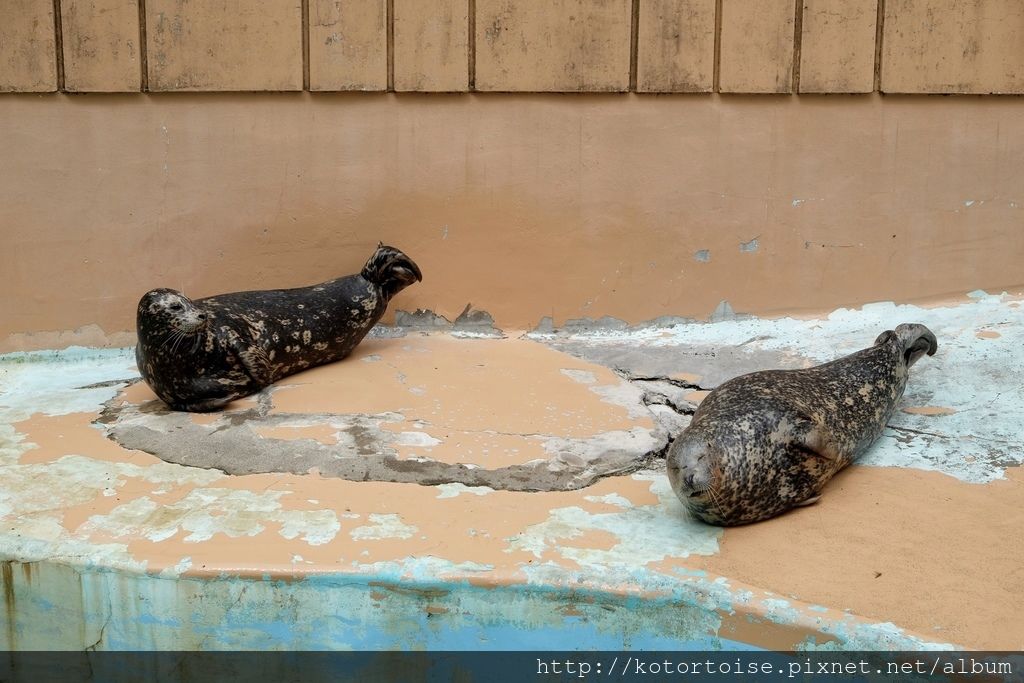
(757, 46)
(557, 45)
(101, 46)
(524, 205)
(676, 46)
(348, 45)
(837, 50)
(28, 62)
(224, 44)
(431, 44)
(953, 46)
(735, 46)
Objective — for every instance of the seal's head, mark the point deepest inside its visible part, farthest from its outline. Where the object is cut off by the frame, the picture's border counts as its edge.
(694, 474)
(391, 270)
(171, 310)
(911, 340)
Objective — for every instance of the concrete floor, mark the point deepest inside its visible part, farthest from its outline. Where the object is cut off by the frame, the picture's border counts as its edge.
(477, 490)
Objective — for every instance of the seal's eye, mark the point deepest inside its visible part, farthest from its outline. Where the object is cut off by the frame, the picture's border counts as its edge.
(176, 307)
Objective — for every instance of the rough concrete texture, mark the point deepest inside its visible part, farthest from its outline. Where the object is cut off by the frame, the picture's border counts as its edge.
(420, 409)
(957, 406)
(952, 46)
(110, 547)
(837, 46)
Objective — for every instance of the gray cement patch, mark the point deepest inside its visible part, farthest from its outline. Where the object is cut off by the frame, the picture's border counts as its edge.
(366, 450)
(470, 321)
(714, 364)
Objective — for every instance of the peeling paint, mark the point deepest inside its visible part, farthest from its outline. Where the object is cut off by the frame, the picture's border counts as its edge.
(644, 534)
(215, 561)
(975, 378)
(383, 526)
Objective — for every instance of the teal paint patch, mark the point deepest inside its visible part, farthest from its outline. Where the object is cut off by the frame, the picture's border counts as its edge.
(62, 607)
(61, 382)
(645, 533)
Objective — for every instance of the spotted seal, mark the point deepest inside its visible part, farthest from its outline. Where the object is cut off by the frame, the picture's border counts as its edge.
(200, 355)
(768, 441)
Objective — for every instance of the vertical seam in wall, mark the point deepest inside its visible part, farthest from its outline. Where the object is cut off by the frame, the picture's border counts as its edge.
(879, 22)
(471, 47)
(634, 45)
(798, 37)
(305, 44)
(58, 31)
(716, 77)
(143, 49)
(390, 10)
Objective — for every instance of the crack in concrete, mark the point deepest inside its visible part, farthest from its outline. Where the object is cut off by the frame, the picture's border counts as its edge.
(103, 627)
(223, 617)
(111, 383)
(921, 432)
(908, 430)
(634, 377)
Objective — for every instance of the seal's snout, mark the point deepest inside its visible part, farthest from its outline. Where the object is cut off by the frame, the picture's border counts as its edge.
(391, 269)
(688, 467)
(917, 340)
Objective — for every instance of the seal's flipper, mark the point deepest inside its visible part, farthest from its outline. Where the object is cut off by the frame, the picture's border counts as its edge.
(816, 442)
(207, 405)
(208, 394)
(257, 364)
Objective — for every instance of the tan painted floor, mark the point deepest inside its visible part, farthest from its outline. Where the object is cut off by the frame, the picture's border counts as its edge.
(497, 461)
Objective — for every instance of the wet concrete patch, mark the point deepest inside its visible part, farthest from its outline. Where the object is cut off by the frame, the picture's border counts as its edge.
(505, 414)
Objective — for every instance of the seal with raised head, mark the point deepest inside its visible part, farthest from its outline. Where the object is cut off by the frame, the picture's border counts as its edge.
(768, 441)
(200, 355)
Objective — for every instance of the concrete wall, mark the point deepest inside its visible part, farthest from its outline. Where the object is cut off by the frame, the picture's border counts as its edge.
(527, 205)
(748, 46)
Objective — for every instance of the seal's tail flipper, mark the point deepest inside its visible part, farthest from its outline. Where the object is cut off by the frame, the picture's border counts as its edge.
(391, 269)
(915, 339)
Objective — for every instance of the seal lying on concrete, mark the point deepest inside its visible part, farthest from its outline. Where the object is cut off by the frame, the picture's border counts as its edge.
(200, 355)
(765, 442)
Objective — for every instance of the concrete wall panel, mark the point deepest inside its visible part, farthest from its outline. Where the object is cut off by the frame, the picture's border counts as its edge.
(28, 60)
(837, 47)
(676, 46)
(558, 45)
(224, 44)
(431, 45)
(757, 46)
(525, 205)
(348, 45)
(101, 45)
(953, 46)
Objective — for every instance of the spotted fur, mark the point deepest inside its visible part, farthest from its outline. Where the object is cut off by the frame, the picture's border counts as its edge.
(200, 355)
(768, 441)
